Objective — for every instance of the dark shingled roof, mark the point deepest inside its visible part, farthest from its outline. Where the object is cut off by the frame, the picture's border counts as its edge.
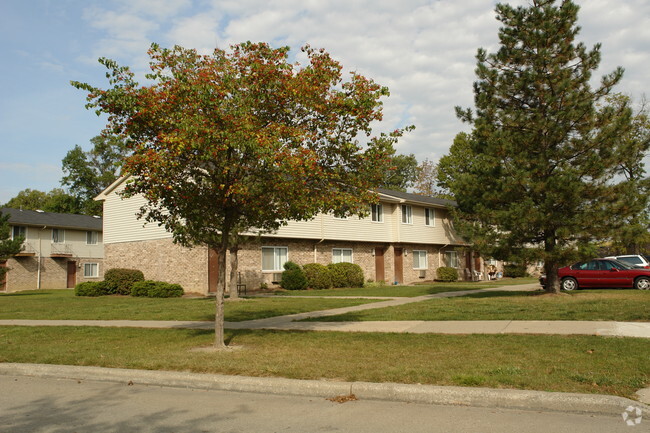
(417, 198)
(50, 219)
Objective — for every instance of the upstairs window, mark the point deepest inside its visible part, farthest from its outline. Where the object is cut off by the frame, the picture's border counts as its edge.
(91, 238)
(18, 232)
(407, 214)
(377, 212)
(430, 217)
(58, 236)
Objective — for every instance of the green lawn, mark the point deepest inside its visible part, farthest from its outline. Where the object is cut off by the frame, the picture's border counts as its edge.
(617, 305)
(586, 364)
(408, 291)
(63, 305)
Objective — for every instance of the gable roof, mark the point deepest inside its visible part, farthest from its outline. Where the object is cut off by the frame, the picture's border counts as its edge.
(416, 198)
(51, 219)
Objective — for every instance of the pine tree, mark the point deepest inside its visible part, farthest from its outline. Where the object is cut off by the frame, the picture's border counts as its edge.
(8, 246)
(542, 175)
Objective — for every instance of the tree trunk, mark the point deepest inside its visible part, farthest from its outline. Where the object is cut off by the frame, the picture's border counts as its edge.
(234, 264)
(219, 340)
(550, 264)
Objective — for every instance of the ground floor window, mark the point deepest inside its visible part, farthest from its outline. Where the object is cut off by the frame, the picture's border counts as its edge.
(420, 259)
(274, 258)
(91, 270)
(340, 255)
(451, 259)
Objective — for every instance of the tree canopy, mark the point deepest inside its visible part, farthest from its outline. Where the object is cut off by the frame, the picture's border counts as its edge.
(541, 171)
(57, 200)
(242, 140)
(86, 174)
(8, 246)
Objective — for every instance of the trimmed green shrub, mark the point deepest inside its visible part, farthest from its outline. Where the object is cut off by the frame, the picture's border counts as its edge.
(346, 274)
(514, 270)
(293, 277)
(156, 289)
(120, 281)
(447, 274)
(318, 276)
(141, 288)
(91, 288)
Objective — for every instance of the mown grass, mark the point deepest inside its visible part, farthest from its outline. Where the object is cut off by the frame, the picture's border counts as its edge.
(63, 305)
(374, 289)
(616, 305)
(587, 364)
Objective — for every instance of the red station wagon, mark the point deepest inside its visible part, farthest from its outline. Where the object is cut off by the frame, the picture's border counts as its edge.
(602, 273)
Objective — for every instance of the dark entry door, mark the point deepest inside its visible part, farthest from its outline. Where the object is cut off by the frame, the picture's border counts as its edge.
(399, 265)
(380, 274)
(72, 275)
(213, 270)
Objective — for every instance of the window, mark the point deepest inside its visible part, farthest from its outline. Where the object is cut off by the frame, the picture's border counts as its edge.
(274, 258)
(91, 238)
(18, 232)
(420, 260)
(91, 270)
(58, 236)
(377, 212)
(407, 214)
(340, 255)
(451, 257)
(430, 217)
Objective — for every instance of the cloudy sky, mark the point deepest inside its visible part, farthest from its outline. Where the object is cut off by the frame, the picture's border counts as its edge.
(423, 50)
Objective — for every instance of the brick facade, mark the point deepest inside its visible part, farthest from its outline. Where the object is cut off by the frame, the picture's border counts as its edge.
(23, 272)
(165, 261)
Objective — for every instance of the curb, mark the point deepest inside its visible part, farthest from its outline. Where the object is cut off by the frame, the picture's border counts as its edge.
(428, 394)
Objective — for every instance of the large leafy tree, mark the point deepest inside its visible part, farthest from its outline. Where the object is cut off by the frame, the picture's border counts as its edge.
(8, 246)
(86, 174)
(56, 200)
(242, 140)
(541, 175)
(401, 174)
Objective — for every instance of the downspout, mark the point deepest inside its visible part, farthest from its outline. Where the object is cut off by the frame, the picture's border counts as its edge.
(440, 254)
(322, 239)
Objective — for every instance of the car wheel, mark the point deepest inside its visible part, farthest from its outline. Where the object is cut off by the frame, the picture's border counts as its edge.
(642, 283)
(569, 284)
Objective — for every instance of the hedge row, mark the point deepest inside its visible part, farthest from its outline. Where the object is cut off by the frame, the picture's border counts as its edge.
(319, 277)
(128, 282)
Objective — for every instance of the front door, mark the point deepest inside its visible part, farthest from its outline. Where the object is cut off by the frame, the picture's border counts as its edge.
(213, 270)
(380, 275)
(399, 266)
(72, 275)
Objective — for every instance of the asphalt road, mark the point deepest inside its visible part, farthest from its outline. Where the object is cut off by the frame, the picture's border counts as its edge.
(29, 404)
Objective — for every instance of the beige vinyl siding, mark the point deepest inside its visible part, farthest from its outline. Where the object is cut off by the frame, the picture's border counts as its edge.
(40, 239)
(121, 223)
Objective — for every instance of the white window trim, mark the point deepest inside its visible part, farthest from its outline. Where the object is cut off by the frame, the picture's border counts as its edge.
(92, 274)
(21, 227)
(96, 237)
(454, 254)
(407, 214)
(430, 213)
(275, 261)
(419, 253)
(61, 236)
(380, 213)
(341, 254)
